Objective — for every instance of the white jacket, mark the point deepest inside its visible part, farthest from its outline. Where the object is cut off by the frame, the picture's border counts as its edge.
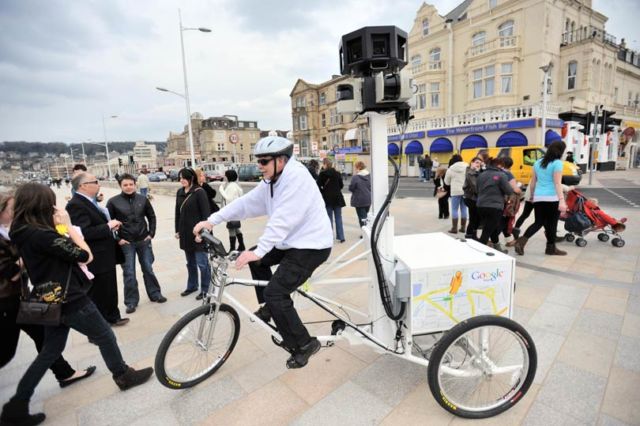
(230, 191)
(455, 177)
(297, 215)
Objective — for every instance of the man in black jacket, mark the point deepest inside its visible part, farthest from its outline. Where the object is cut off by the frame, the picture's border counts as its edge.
(138, 228)
(100, 232)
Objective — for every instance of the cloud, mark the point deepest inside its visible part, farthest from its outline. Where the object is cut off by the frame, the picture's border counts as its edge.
(65, 63)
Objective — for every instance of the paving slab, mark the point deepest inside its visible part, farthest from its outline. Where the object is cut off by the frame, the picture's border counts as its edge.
(583, 311)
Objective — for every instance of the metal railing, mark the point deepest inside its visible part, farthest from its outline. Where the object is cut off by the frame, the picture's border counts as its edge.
(429, 66)
(493, 115)
(588, 33)
(499, 43)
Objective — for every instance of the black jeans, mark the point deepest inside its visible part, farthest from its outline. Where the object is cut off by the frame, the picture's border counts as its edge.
(474, 218)
(10, 333)
(491, 220)
(547, 216)
(88, 321)
(526, 212)
(104, 293)
(295, 267)
(362, 215)
(443, 207)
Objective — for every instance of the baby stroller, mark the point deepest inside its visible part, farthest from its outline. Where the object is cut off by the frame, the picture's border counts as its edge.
(584, 216)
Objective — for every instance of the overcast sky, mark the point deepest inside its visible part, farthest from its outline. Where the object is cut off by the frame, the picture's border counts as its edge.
(65, 63)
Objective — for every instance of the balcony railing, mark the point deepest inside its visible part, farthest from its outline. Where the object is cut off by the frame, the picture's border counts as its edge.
(429, 66)
(587, 33)
(499, 43)
(482, 117)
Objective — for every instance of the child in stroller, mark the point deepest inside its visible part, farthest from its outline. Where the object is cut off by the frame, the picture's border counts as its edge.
(584, 216)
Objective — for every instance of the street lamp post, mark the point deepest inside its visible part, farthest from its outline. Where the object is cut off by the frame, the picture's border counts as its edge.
(106, 143)
(186, 85)
(547, 70)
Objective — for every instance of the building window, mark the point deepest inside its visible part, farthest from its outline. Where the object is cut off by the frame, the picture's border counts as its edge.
(571, 75)
(333, 119)
(323, 98)
(493, 3)
(505, 32)
(221, 147)
(506, 77)
(615, 95)
(303, 122)
(425, 27)
(434, 59)
(484, 82)
(478, 38)
(489, 80)
(416, 60)
(434, 89)
(477, 83)
(323, 119)
(477, 42)
(421, 97)
(301, 101)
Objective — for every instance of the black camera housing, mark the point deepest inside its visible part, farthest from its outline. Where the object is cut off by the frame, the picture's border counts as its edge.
(371, 50)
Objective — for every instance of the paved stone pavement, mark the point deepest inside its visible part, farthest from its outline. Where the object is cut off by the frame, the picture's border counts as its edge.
(583, 311)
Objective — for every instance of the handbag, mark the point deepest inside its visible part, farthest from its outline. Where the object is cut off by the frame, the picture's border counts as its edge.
(44, 305)
(577, 223)
(441, 192)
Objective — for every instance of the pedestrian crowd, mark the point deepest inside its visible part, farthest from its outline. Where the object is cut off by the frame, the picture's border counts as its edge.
(484, 195)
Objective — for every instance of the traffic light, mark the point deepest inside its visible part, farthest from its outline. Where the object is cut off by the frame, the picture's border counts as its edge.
(120, 162)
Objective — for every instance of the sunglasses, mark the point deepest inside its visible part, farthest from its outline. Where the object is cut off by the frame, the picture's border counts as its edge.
(91, 181)
(264, 161)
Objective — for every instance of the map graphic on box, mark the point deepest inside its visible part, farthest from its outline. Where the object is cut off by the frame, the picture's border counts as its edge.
(441, 298)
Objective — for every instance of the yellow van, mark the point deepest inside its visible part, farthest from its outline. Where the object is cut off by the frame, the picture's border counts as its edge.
(523, 159)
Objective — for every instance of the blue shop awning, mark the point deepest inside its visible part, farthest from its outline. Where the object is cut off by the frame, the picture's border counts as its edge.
(551, 136)
(414, 147)
(473, 141)
(441, 145)
(393, 149)
(511, 139)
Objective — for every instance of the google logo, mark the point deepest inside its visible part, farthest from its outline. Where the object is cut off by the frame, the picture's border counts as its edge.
(488, 275)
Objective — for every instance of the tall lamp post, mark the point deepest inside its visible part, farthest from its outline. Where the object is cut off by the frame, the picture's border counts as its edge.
(106, 143)
(545, 84)
(186, 85)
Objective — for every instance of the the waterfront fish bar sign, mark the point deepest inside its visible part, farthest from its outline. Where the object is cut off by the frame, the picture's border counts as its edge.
(480, 128)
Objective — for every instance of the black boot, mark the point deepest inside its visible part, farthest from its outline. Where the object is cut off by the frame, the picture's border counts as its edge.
(232, 243)
(132, 378)
(300, 357)
(16, 412)
(552, 250)
(241, 246)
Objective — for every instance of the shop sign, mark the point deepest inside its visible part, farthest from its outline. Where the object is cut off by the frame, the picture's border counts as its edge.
(412, 135)
(480, 128)
(348, 150)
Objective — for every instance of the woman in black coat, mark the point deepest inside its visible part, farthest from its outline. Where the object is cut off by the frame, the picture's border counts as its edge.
(10, 284)
(211, 193)
(330, 183)
(51, 257)
(192, 206)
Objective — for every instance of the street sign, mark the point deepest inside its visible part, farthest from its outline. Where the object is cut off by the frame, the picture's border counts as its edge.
(314, 147)
(234, 138)
(296, 149)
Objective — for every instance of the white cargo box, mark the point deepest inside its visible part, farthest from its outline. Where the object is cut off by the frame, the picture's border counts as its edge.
(452, 280)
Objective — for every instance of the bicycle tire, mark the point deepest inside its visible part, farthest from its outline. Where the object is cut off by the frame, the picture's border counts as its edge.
(445, 371)
(226, 316)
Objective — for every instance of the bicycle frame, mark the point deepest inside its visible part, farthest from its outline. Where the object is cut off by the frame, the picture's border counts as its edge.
(354, 333)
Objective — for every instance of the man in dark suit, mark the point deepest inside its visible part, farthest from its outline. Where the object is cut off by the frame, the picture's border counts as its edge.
(100, 233)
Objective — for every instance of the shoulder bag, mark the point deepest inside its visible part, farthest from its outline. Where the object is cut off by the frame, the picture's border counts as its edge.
(44, 305)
